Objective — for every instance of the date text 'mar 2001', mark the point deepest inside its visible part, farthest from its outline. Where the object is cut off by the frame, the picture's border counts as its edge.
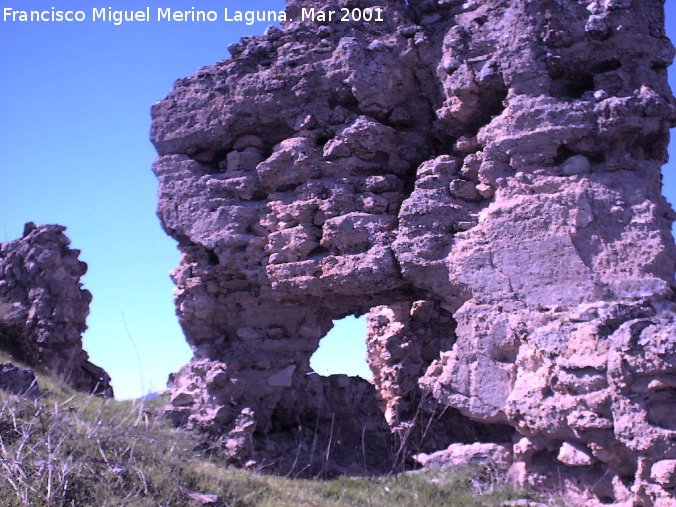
(343, 15)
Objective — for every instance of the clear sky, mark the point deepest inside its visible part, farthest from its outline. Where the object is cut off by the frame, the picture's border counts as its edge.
(74, 104)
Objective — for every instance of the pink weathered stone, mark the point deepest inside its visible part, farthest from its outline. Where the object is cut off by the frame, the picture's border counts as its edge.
(495, 456)
(43, 307)
(483, 179)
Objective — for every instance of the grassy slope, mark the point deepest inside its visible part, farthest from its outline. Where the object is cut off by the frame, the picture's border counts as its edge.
(71, 449)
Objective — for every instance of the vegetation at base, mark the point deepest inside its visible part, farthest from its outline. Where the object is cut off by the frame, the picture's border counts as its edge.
(72, 449)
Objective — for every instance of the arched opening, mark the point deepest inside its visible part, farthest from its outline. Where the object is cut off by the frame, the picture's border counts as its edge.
(343, 349)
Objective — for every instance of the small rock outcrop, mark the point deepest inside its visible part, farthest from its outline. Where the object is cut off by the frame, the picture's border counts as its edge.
(483, 179)
(19, 381)
(43, 307)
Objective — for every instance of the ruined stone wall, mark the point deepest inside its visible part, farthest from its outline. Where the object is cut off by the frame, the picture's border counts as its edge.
(497, 160)
(403, 340)
(43, 307)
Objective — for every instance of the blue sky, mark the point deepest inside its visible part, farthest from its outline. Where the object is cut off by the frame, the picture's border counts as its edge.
(74, 103)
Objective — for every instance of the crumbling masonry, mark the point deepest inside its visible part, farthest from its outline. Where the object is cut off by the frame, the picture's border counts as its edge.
(483, 179)
(43, 308)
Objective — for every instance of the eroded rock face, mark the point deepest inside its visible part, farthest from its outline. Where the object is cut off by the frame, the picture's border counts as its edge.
(43, 307)
(403, 339)
(494, 165)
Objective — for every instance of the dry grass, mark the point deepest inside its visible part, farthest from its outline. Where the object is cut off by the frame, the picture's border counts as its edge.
(70, 449)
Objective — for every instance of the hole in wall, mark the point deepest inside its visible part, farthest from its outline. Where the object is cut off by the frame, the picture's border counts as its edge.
(492, 99)
(481, 20)
(579, 84)
(212, 258)
(574, 86)
(322, 140)
(319, 252)
(343, 349)
(605, 66)
(563, 154)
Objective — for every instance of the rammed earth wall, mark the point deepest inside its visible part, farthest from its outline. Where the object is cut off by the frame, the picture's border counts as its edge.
(483, 178)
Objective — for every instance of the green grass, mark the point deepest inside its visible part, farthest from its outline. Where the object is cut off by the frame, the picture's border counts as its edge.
(71, 449)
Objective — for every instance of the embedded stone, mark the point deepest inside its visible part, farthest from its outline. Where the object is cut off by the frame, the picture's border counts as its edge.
(577, 164)
(182, 399)
(464, 190)
(494, 455)
(664, 472)
(574, 455)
